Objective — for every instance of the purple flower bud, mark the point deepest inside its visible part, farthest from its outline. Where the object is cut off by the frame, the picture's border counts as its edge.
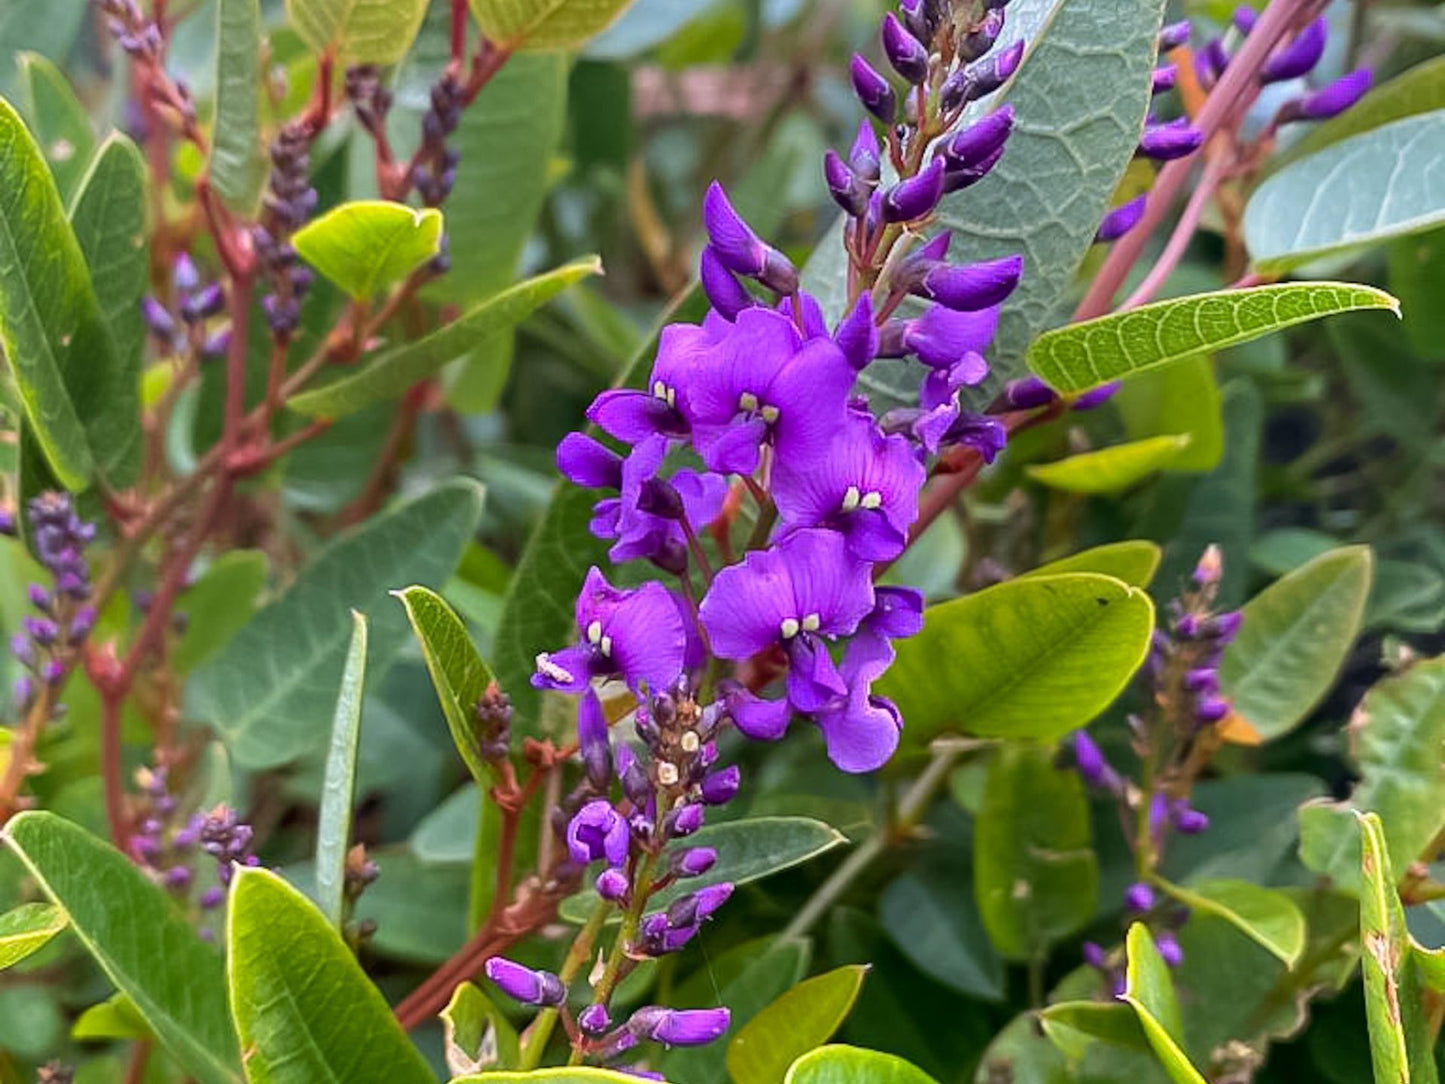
(208, 302)
(1202, 679)
(1121, 220)
(1165, 76)
(1210, 61)
(598, 831)
(612, 884)
(22, 690)
(873, 90)
(1095, 397)
(52, 671)
(158, 318)
(1095, 956)
(712, 897)
(997, 70)
(177, 877)
(594, 1020)
(724, 292)
(912, 199)
(592, 742)
(217, 343)
(905, 52)
(1190, 822)
(687, 820)
(1028, 392)
(679, 1027)
(979, 141)
(1299, 56)
(589, 463)
(857, 334)
(847, 190)
(39, 597)
(1090, 761)
(40, 629)
(82, 622)
(738, 248)
(187, 278)
(1173, 35)
(1224, 627)
(1211, 709)
(718, 788)
(694, 862)
(1244, 19)
(212, 898)
(525, 985)
(865, 156)
(1169, 950)
(1330, 101)
(1139, 897)
(972, 287)
(1166, 142)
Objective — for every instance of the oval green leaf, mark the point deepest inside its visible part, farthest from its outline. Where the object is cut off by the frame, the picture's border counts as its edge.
(1035, 875)
(27, 929)
(366, 245)
(802, 1019)
(58, 120)
(545, 24)
(1264, 915)
(746, 851)
(305, 1011)
(1134, 562)
(839, 1064)
(1382, 184)
(1081, 356)
(1149, 991)
(1110, 470)
(1294, 639)
(217, 606)
(338, 790)
(922, 913)
(1073, 1025)
(358, 31)
(1045, 655)
(1181, 399)
(138, 938)
(237, 166)
(396, 370)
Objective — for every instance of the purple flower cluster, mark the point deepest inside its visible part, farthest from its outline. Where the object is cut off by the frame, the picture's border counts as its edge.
(289, 201)
(167, 843)
(196, 302)
(64, 616)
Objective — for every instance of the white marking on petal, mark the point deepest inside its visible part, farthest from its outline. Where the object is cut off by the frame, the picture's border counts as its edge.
(594, 633)
(605, 644)
(770, 414)
(667, 774)
(851, 498)
(871, 500)
(789, 628)
(811, 623)
(748, 402)
(549, 669)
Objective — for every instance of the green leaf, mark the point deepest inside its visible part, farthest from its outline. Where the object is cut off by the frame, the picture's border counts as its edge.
(574, 1074)
(1400, 1035)
(366, 245)
(113, 1018)
(218, 606)
(27, 929)
(1264, 915)
(396, 370)
(1395, 740)
(59, 122)
(1150, 993)
(928, 916)
(237, 167)
(358, 31)
(1110, 470)
(457, 671)
(448, 834)
(1082, 356)
(304, 1009)
(1382, 184)
(1048, 654)
(1134, 562)
(478, 1034)
(1294, 639)
(338, 793)
(1073, 1025)
(49, 29)
(1048, 192)
(271, 691)
(839, 1064)
(79, 402)
(138, 937)
(746, 850)
(1421, 89)
(544, 24)
(802, 1019)
(108, 215)
(1182, 399)
(1417, 265)
(1035, 875)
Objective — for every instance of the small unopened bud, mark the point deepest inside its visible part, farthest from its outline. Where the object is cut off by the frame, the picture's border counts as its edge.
(1138, 897)
(1121, 220)
(525, 985)
(873, 90)
(1166, 142)
(1298, 57)
(1173, 35)
(905, 52)
(915, 197)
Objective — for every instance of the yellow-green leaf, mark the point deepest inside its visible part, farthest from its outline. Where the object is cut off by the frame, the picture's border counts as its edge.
(1134, 561)
(545, 24)
(1264, 915)
(838, 1064)
(1110, 470)
(1149, 991)
(358, 31)
(366, 245)
(802, 1019)
(26, 930)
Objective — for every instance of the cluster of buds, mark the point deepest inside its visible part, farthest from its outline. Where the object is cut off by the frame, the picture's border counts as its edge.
(139, 36)
(164, 842)
(370, 99)
(632, 814)
(493, 735)
(434, 170)
(1184, 659)
(289, 202)
(196, 302)
(50, 637)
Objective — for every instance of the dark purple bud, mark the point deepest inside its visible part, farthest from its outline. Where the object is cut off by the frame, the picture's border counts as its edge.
(1210, 709)
(1121, 220)
(525, 985)
(1165, 76)
(39, 597)
(724, 292)
(912, 199)
(158, 319)
(597, 831)
(1190, 822)
(177, 877)
(865, 157)
(994, 72)
(1027, 393)
(1224, 626)
(1095, 956)
(212, 898)
(955, 180)
(738, 248)
(217, 343)
(1173, 35)
(679, 1027)
(1169, 950)
(1139, 897)
(41, 629)
(205, 303)
(873, 90)
(1299, 56)
(847, 190)
(592, 743)
(594, 1020)
(187, 278)
(905, 52)
(52, 671)
(612, 884)
(712, 897)
(980, 141)
(1244, 19)
(1202, 679)
(981, 39)
(973, 286)
(1089, 759)
(1331, 100)
(687, 820)
(1210, 61)
(719, 788)
(1095, 397)
(682, 912)
(589, 463)
(857, 335)
(1166, 142)
(694, 862)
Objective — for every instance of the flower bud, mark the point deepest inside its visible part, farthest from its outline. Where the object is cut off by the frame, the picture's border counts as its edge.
(981, 39)
(157, 318)
(724, 292)
(1165, 76)
(915, 197)
(1223, 627)
(1121, 220)
(594, 1020)
(1138, 897)
(687, 820)
(973, 286)
(1166, 142)
(873, 90)
(1201, 679)
(1211, 709)
(589, 463)
(679, 1027)
(1299, 56)
(185, 274)
(865, 156)
(612, 884)
(1173, 35)
(597, 831)
(905, 52)
(208, 302)
(994, 72)
(525, 985)
(592, 742)
(693, 862)
(739, 249)
(1190, 822)
(1331, 100)
(1095, 397)
(979, 141)
(718, 788)
(1244, 18)
(1169, 950)
(847, 190)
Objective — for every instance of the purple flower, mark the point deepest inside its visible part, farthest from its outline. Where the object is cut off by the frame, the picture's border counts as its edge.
(940, 338)
(1121, 220)
(612, 884)
(971, 287)
(1169, 950)
(1173, 35)
(597, 831)
(632, 416)
(865, 487)
(1166, 142)
(1165, 76)
(861, 730)
(638, 635)
(720, 787)
(739, 249)
(761, 383)
(724, 292)
(594, 1019)
(1329, 101)
(1299, 56)
(679, 1027)
(792, 596)
(525, 985)
(857, 334)
(981, 141)
(917, 196)
(1027, 393)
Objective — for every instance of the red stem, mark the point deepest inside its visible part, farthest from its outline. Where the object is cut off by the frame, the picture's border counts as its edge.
(1214, 171)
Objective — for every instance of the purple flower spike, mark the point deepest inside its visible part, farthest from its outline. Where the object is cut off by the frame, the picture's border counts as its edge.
(1139, 897)
(978, 142)
(857, 334)
(1166, 142)
(739, 249)
(865, 488)
(806, 588)
(873, 90)
(1121, 220)
(1174, 35)
(637, 635)
(525, 985)
(1165, 76)
(724, 292)
(598, 831)
(1299, 56)
(865, 156)
(912, 199)
(972, 287)
(905, 52)
(679, 1027)
(1331, 100)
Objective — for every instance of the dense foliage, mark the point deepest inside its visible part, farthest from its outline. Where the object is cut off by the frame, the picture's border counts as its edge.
(984, 629)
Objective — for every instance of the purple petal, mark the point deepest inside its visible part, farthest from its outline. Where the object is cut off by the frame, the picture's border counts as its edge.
(1300, 55)
(588, 463)
(813, 678)
(940, 337)
(759, 719)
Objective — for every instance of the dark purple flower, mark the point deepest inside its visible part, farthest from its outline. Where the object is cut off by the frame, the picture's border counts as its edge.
(848, 192)
(679, 1027)
(915, 197)
(1093, 767)
(905, 52)
(720, 787)
(724, 292)
(1165, 76)
(803, 590)
(598, 832)
(1121, 220)
(941, 337)
(971, 287)
(1329, 101)
(1189, 821)
(739, 249)
(633, 416)
(1027, 393)
(864, 157)
(592, 743)
(865, 487)
(612, 884)
(762, 383)
(873, 90)
(1166, 142)
(525, 985)
(693, 862)
(1299, 56)
(1095, 397)
(638, 635)
(594, 1020)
